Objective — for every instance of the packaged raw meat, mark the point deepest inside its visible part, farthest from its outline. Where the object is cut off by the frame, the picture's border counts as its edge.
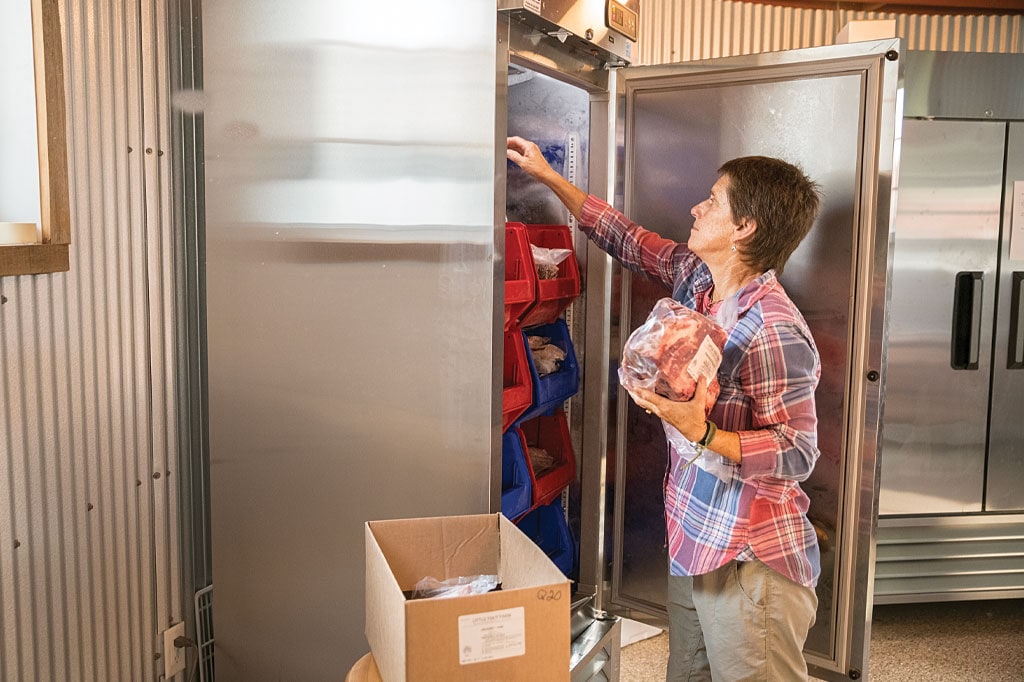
(547, 260)
(547, 357)
(541, 461)
(671, 350)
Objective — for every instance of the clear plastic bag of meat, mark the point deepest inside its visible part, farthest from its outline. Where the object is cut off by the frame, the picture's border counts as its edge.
(674, 347)
(546, 260)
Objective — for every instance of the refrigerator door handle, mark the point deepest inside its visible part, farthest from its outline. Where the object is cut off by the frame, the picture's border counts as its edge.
(1016, 342)
(966, 336)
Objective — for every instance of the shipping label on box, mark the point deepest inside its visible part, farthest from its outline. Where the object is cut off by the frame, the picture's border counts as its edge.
(490, 636)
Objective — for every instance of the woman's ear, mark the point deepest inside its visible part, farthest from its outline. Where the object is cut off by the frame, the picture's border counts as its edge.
(745, 229)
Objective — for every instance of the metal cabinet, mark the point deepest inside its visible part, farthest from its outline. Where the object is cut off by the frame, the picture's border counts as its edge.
(951, 504)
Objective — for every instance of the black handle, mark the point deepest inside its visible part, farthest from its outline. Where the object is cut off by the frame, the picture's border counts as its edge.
(1016, 352)
(966, 320)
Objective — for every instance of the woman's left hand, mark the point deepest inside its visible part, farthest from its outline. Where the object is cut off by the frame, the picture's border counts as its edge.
(688, 417)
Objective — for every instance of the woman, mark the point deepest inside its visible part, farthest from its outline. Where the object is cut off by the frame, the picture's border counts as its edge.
(738, 532)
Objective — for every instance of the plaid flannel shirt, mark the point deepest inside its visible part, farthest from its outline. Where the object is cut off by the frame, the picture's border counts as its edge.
(769, 372)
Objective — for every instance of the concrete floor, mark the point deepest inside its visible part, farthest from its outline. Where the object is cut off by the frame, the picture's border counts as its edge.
(973, 641)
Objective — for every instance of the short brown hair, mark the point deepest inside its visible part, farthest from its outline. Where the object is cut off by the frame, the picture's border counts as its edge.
(780, 198)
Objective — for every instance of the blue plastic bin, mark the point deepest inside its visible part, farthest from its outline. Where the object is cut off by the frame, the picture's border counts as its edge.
(551, 390)
(548, 529)
(516, 488)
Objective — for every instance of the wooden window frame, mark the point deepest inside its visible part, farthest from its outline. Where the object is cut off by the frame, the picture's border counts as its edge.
(51, 255)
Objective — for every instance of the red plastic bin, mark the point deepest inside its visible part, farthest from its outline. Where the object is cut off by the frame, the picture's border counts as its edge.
(550, 432)
(517, 392)
(553, 295)
(520, 274)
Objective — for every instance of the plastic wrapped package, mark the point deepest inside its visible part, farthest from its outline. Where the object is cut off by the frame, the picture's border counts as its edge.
(432, 588)
(546, 260)
(674, 347)
(671, 350)
(547, 357)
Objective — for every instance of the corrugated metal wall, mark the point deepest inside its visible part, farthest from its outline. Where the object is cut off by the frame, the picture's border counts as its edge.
(685, 30)
(90, 569)
(90, 558)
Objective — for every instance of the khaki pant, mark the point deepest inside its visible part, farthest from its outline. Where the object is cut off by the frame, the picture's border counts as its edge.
(687, 657)
(753, 622)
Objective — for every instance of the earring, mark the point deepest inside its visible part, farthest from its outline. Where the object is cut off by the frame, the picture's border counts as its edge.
(734, 248)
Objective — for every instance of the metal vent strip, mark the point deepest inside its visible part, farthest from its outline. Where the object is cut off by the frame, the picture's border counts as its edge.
(951, 558)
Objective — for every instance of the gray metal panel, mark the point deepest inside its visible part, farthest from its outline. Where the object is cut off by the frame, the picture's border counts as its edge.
(595, 655)
(950, 558)
(580, 25)
(684, 122)
(89, 568)
(964, 85)
(187, 154)
(545, 54)
(1005, 489)
(351, 305)
(947, 222)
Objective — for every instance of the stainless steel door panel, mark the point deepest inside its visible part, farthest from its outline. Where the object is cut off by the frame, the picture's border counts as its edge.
(815, 109)
(676, 158)
(351, 303)
(1005, 490)
(947, 223)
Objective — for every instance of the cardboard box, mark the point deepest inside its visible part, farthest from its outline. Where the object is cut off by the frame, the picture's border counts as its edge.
(519, 632)
(870, 29)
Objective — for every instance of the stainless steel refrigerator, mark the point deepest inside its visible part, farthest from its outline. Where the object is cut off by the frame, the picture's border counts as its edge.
(649, 139)
(952, 501)
(355, 195)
